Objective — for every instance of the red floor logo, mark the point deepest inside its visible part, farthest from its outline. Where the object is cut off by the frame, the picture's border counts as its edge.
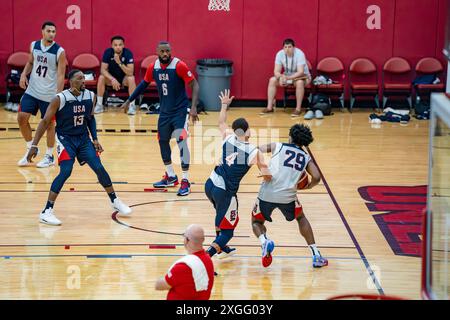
(402, 217)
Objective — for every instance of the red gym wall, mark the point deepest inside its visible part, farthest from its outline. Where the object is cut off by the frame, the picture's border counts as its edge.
(249, 35)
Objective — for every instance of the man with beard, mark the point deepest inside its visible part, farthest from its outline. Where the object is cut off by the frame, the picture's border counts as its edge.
(45, 67)
(171, 76)
(73, 109)
(117, 71)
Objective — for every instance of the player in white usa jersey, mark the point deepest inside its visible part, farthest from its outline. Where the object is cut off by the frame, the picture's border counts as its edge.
(46, 67)
(288, 165)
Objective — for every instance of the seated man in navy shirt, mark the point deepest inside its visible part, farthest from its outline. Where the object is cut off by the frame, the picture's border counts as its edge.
(117, 71)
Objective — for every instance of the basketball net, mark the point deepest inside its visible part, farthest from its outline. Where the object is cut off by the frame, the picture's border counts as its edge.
(219, 5)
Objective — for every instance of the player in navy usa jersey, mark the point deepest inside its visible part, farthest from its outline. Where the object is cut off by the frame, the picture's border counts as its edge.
(46, 67)
(171, 76)
(288, 165)
(238, 155)
(74, 113)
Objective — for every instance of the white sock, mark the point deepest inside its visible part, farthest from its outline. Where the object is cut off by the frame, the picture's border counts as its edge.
(99, 100)
(49, 151)
(170, 171)
(29, 144)
(262, 238)
(185, 175)
(314, 250)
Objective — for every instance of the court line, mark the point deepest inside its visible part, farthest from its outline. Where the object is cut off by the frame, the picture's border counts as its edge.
(349, 230)
(154, 244)
(137, 191)
(127, 256)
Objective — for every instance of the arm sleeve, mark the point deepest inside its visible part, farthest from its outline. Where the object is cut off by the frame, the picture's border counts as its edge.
(184, 72)
(149, 73)
(92, 125)
(139, 90)
(178, 274)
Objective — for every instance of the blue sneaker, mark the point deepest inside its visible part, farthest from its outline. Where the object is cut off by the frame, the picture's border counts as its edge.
(319, 261)
(226, 252)
(166, 182)
(267, 249)
(185, 188)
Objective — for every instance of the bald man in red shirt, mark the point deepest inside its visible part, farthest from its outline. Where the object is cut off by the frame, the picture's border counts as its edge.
(191, 277)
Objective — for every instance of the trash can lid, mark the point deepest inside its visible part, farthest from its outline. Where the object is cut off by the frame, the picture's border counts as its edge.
(214, 62)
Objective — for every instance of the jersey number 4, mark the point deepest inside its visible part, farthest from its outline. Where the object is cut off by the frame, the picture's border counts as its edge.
(299, 160)
(41, 71)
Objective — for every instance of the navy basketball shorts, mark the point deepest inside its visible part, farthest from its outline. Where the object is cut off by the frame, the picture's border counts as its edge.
(175, 126)
(30, 104)
(78, 147)
(226, 205)
(262, 210)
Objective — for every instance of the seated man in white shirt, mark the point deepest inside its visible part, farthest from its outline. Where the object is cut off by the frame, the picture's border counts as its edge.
(296, 72)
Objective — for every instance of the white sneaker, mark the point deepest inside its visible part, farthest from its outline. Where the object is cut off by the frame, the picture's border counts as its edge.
(9, 106)
(48, 217)
(24, 162)
(132, 110)
(309, 115)
(121, 207)
(230, 252)
(48, 161)
(98, 108)
(319, 114)
(15, 107)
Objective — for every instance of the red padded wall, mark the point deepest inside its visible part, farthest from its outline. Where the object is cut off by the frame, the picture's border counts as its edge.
(266, 25)
(415, 29)
(250, 34)
(197, 33)
(6, 45)
(142, 23)
(29, 16)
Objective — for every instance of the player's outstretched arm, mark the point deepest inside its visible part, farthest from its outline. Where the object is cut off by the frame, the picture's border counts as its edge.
(262, 166)
(136, 93)
(226, 100)
(267, 148)
(314, 173)
(42, 127)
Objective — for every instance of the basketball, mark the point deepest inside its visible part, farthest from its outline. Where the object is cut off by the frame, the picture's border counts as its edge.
(303, 182)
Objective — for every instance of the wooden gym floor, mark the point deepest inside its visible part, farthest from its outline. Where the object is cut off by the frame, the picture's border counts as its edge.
(96, 255)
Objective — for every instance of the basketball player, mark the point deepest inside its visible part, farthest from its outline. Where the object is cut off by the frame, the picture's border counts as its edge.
(238, 155)
(289, 162)
(46, 67)
(74, 113)
(171, 75)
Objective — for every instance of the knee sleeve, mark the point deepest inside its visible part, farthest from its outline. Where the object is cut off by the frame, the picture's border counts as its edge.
(166, 152)
(65, 170)
(185, 154)
(224, 237)
(102, 175)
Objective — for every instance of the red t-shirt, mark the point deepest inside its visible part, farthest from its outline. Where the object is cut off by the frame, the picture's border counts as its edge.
(182, 282)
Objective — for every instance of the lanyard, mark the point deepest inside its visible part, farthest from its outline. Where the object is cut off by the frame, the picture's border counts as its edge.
(292, 64)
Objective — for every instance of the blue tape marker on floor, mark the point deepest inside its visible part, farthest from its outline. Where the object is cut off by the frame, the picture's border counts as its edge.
(7, 257)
